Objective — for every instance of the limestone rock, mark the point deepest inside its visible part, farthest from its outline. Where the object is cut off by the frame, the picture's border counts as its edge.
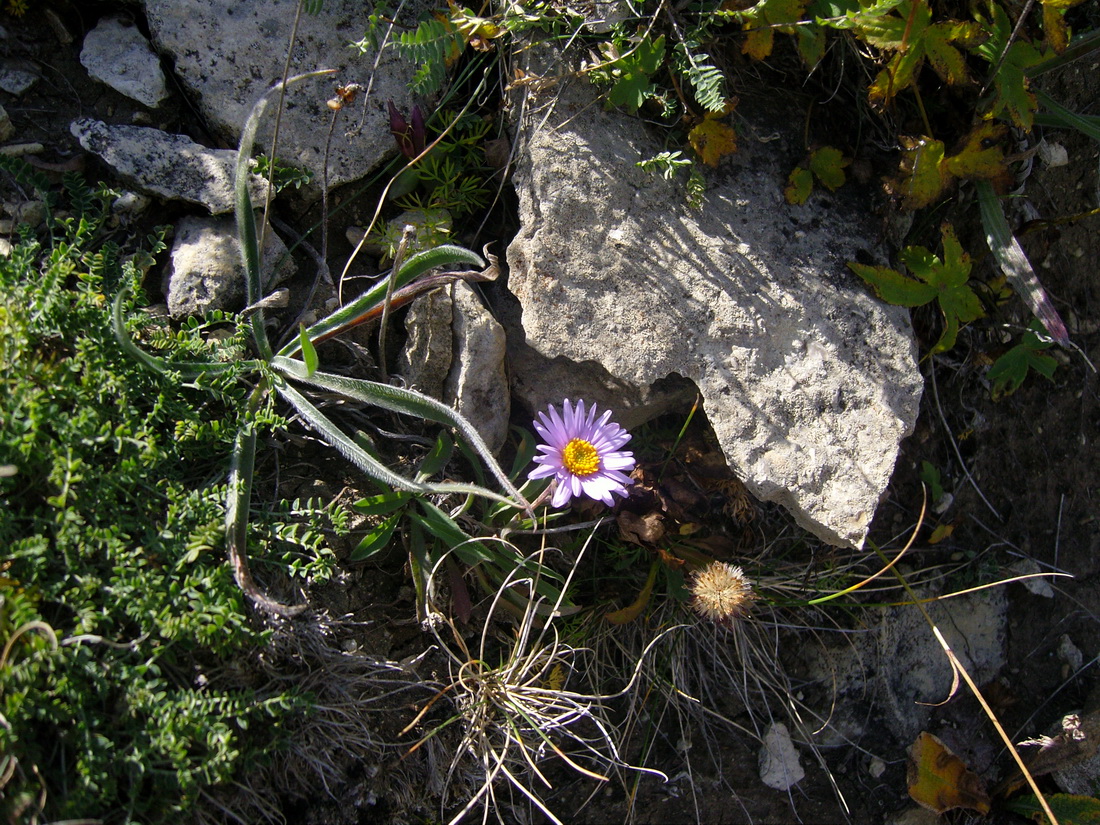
(455, 351)
(902, 669)
(117, 54)
(205, 271)
(426, 358)
(171, 166)
(477, 385)
(227, 53)
(632, 299)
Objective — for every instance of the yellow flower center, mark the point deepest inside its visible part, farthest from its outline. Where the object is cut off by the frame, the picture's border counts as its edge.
(580, 458)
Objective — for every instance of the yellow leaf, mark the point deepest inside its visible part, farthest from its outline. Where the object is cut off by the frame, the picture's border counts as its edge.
(799, 185)
(712, 141)
(923, 178)
(981, 157)
(940, 781)
(632, 611)
(1054, 23)
(758, 43)
(941, 532)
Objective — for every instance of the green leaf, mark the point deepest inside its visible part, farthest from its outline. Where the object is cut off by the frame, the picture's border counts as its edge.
(1009, 371)
(446, 529)
(382, 503)
(894, 287)
(309, 353)
(246, 218)
(930, 475)
(406, 402)
(923, 177)
(1012, 98)
(945, 280)
(377, 539)
(827, 164)
(1070, 809)
(370, 301)
(632, 72)
(437, 459)
(949, 279)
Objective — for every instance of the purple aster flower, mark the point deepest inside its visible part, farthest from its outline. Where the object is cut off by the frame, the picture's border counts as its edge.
(582, 454)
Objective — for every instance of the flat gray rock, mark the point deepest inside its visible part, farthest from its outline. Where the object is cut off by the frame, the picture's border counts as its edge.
(628, 297)
(117, 54)
(172, 167)
(227, 53)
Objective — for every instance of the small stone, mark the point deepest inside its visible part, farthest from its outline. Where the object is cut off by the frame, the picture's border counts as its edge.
(117, 54)
(1052, 155)
(205, 271)
(173, 167)
(779, 765)
(1038, 586)
(16, 81)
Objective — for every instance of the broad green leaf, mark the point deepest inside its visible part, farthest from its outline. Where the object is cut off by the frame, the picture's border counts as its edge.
(1012, 98)
(893, 287)
(381, 504)
(377, 539)
(827, 164)
(1009, 371)
(633, 71)
(810, 41)
(949, 277)
(930, 475)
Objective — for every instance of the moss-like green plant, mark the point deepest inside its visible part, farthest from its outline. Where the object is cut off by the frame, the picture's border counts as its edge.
(114, 594)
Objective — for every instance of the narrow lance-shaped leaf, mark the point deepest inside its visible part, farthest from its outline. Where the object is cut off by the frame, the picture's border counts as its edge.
(405, 402)
(374, 469)
(246, 219)
(188, 369)
(370, 302)
(1015, 265)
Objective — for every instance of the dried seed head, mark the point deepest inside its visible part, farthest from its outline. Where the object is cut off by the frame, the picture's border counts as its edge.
(721, 592)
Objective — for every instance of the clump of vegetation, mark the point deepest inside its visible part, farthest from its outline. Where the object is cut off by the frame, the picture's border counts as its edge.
(115, 599)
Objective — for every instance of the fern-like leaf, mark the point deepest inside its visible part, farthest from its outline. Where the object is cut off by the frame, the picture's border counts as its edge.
(708, 82)
(430, 45)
